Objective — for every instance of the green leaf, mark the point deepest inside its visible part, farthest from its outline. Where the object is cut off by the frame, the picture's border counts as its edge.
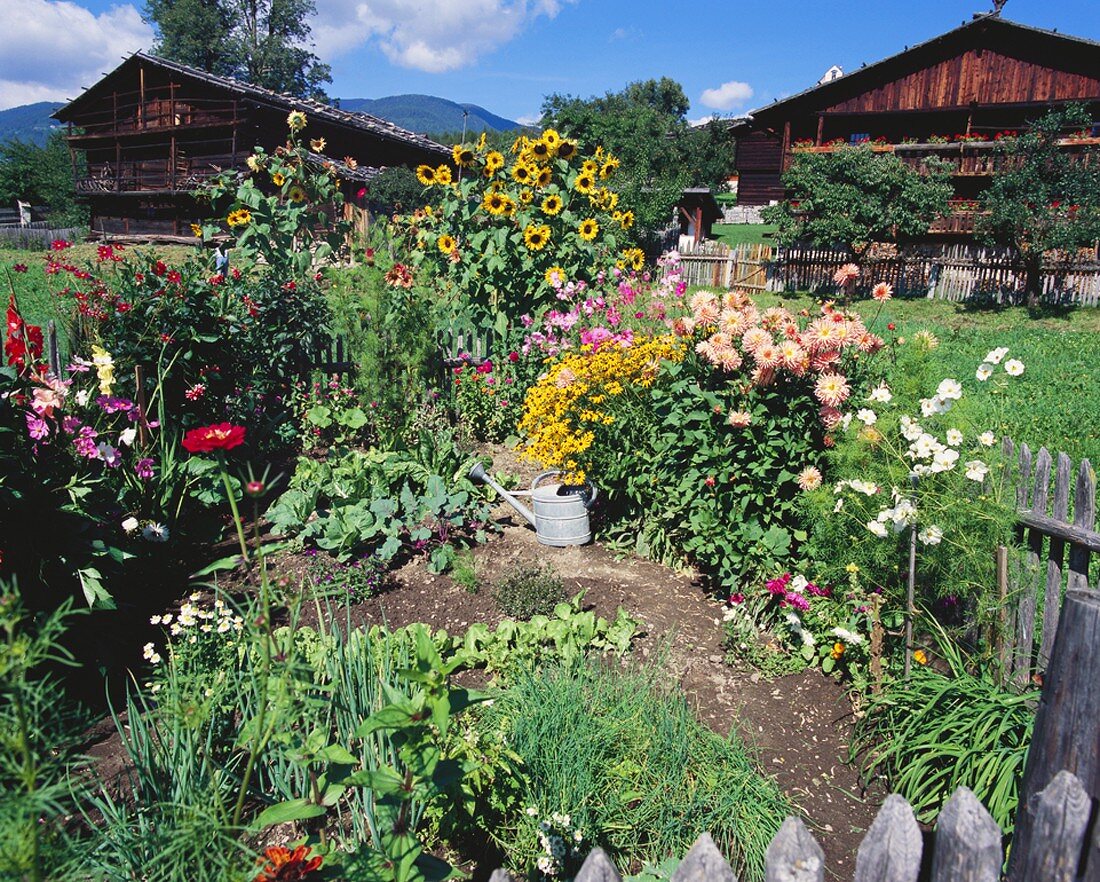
(284, 812)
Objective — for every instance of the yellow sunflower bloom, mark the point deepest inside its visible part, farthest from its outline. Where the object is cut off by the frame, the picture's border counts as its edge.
(567, 149)
(552, 204)
(609, 167)
(522, 173)
(544, 176)
(254, 162)
(296, 194)
(590, 166)
(609, 200)
(526, 197)
(425, 174)
(446, 243)
(540, 151)
(443, 175)
(239, 218)
(494, 161)
(626, 220)
(481, 142)
(495, 203)
(536, 237)
(585, 183)
(462, 155)
(296, 120)
(555, 273)
(196, 230)
(520, 144)
(317, 145)
(634, 258)
(552, 138)
(588, 229)
(278, 179)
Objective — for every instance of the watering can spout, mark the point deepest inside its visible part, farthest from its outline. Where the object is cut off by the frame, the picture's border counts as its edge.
(478, 475)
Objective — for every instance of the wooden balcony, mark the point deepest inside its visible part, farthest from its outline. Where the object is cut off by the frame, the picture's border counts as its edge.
(960, 219)
(149, 177)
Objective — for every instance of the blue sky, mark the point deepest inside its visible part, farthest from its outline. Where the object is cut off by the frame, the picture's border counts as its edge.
(507, 54)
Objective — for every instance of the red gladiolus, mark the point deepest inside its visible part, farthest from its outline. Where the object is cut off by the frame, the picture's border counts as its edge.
(23, 346)
(284, 865)
(222, 436)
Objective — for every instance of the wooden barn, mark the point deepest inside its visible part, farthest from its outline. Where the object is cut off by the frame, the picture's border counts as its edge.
(153, 130)
(949, 97)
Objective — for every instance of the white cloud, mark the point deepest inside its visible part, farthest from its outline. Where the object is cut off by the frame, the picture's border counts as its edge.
(431, 36)
(727, 96)
(529, 119)
(703, 119)
(50, 49)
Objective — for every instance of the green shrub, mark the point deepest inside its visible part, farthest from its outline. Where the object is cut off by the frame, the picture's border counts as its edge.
(936, 732)
(529, 591)
(620, 757)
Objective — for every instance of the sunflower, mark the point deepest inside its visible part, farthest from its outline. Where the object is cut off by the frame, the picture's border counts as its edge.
(522, 173)
(463, 155)
(317, 145)
(585, 183)
(554, 273)
(446, 243)
(481, 142)
(494, 161)
(626, 220)
(567, 149)
(536, 237)
(590, 166)
(520, 144)
(495, 203)
(278, 179)
(609, 200)
(634, 257)
(239, 218)
(609, 167)
(540, 151)
(443, 175)
(196, 230)
(588, 229)
(552, 204)
(425, 174)
(543, 176)
(296, 120)
(526, 196)
(552, 138)
(296, 193)
(254, 162)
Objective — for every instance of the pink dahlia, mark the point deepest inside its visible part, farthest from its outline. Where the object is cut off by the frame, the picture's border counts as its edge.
(832, 389)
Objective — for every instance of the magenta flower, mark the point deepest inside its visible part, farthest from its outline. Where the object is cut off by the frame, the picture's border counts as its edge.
(37, 427)
(85, 443)
(110, 454)
(70, 425)
(144, 468)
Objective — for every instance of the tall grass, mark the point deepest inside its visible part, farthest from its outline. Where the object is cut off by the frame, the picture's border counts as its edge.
(623, 755)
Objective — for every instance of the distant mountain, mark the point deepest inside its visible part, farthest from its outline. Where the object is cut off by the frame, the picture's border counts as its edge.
(418, 113)
(29, 122)
(426, 113)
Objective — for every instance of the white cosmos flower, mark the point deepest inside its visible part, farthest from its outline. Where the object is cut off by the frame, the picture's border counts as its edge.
(949, 388)
(845, 421)
(976, 470)
(846, 636)
(931, 535)
(880, 394)
(910, 428)
(867, 488)
(839, 505)
(944, 460)
(1014, 367)
(904, 513)
(994, 356)
(866, 416)
(984, 372)
(987, 439)
(924, 447)
(126, 436)
(920, 470)
(155, 533)
(954, 437)
(878, 528)
(82, 397)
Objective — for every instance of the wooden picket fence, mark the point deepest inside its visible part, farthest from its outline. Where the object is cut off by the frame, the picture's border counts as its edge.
(954, 272)
(967, 846)
(1059, 542)
(330, 357)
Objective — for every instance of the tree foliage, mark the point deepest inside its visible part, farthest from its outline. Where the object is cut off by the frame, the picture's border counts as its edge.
(41, 176)
(263, 42)
(1043, 197)
(856, 197)
(645, 126)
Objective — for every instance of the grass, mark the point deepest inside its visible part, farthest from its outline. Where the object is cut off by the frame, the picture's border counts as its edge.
(1055, 404)
(745, 234)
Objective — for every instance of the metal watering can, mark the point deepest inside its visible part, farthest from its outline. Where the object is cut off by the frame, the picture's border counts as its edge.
(561, 510)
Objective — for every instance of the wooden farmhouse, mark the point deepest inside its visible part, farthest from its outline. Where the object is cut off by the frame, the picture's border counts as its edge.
(153, 130)
(953, 97)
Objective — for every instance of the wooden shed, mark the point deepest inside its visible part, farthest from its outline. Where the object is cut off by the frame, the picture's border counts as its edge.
(951, 97)
(153, 130)
(698, 212)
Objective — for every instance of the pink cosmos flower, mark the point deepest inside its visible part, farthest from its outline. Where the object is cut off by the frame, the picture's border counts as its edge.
(37, 427)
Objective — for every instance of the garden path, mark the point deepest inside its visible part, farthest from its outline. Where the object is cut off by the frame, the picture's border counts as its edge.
(799, 725)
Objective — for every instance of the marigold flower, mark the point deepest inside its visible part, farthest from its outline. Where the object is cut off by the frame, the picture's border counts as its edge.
(838, 650)
(920, 657)
(221, 436)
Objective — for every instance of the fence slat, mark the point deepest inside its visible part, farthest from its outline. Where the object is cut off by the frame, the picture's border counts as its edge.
(1052, 597)
(1084, 516)
(1061, 819)
(968, 842)
(597, 867)
(794, 855)
(704, 863)
(891, 850)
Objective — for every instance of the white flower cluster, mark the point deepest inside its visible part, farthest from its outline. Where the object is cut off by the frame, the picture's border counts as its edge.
(151, 532)
(799, 631)
(849, 637)
(218, 618)
(1013, 367)
(559, 841)
(902, 514)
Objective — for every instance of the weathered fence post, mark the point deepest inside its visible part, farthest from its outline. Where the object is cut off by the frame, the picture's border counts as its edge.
(968, 842)
(1067, 725)
(794, 855)
(891, 850)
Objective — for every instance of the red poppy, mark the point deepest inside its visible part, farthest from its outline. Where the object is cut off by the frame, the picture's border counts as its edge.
(222, 436)
(284, 865)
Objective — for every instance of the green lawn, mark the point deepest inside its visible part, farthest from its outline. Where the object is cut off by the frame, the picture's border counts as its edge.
(745, 234)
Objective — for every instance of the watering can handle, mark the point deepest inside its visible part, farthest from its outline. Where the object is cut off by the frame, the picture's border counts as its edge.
(553, 473)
